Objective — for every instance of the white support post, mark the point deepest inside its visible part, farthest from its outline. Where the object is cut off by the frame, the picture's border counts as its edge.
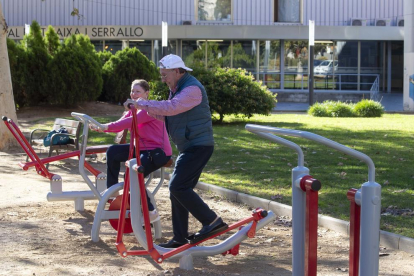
(56, 184)
(370, 223)
(101, 182)
(186, 262)
(79, 204)
(408, 98)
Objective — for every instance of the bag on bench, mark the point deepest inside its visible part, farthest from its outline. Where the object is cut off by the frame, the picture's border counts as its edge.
(57, 139)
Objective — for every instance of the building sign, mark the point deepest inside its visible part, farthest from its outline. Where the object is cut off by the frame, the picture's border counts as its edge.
(94, 32)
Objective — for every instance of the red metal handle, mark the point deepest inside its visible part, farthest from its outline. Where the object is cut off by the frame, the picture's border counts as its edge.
(354, 234)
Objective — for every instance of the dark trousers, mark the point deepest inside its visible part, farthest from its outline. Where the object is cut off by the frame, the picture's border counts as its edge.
(116, 154)
(184, 200)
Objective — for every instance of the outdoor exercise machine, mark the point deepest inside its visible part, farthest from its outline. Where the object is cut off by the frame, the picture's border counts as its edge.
(97, 190)
(105, 211)
(365, 241)
(134, 196)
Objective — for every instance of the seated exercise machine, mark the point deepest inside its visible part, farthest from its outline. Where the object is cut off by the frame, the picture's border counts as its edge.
(134, 197)
(105, 211)
(97, 190)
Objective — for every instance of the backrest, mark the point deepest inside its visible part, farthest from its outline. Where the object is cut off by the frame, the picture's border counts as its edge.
(121, 136)
(71, 126)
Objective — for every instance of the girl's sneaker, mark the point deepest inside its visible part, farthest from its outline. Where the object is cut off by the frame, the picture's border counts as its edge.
(153, 215)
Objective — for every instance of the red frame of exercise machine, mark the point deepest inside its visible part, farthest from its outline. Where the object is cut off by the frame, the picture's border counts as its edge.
(354, 233)
(38, 163)
(311, 186)
(257, 215)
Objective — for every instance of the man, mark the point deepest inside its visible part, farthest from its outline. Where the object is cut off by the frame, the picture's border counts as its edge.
(188, 121)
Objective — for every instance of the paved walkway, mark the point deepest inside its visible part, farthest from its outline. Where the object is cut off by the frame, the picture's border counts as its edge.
(391, 102)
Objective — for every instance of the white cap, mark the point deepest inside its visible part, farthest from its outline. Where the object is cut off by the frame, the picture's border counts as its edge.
(173, 62)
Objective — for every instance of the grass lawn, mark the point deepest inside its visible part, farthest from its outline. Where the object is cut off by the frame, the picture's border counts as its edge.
(244, 162)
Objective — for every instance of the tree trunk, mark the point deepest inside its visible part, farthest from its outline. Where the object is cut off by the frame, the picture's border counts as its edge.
(7, 106)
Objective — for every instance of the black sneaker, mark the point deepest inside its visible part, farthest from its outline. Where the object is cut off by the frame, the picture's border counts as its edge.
(171, 244)
(208, 230)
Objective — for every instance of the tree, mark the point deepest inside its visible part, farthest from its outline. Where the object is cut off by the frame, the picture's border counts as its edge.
(82, 78)
(121, 69)
(37, 77)
(18, 65)
(7, 106)
(51, 40)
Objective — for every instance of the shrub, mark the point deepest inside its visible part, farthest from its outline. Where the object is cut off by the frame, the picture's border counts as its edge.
(318, 110)
(364, 108)
(76, 72)
(332, 109)
(18, 63)
(158, 91)
(340, 109)
(121, 69)
(51, 41)
(230, 91)
(369, 108)
(36, 76)
(104, 56)
(46, 72)
(234, 91)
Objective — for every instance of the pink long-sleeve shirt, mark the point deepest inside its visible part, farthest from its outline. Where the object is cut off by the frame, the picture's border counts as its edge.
(188, 98)
(152, 132)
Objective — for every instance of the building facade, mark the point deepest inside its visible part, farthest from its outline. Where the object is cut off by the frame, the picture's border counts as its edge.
(359, 45)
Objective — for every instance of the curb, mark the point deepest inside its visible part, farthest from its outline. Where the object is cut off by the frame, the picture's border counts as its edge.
(387, 239)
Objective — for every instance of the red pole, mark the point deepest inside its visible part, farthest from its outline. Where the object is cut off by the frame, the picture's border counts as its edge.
(126, 195)
(354, 233)
(14, 129)
(311, 186)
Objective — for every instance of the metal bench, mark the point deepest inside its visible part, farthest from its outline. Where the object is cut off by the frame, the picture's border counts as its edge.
(73, 128)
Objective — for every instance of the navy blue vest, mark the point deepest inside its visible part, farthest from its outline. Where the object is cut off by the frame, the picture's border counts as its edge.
(193, 127)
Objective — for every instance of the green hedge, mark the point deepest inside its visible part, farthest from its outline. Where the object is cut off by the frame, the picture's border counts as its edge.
(369, 108)
(46, 71)
(17, 59)
(364, 108)
(121, 69)
(36, 76)
(75, 72)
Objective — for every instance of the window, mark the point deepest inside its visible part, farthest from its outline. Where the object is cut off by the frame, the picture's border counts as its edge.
(287, 11)
(158, 49)
(113, 46)
(143, 45)
(214, 10)
(269, 63)
(98, 45)
(296, 64)
(347, 52)
(244, 54)
(193, 53)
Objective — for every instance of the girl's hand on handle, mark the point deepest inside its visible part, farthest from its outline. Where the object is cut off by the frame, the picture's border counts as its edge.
(130, 102)
(98, 129)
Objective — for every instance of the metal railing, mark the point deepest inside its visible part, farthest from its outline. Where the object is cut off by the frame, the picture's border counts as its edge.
(329, 81)
(374, 92)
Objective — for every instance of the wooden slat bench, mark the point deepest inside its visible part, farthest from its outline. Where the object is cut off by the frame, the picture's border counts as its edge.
(73, 127)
